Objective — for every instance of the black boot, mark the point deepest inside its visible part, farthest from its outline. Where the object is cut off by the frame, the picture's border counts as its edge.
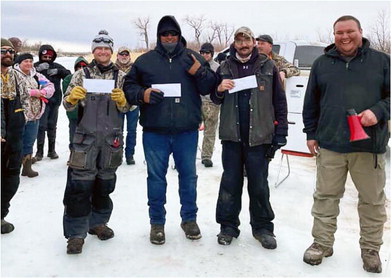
(52, 152)
(40, 153)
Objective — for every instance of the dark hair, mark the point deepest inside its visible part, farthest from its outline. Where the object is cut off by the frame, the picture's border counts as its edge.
(345, 18)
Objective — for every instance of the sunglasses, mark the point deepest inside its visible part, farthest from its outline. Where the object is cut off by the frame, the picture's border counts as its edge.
(171, 33)
(205, 52)
(105, 40)
(10, 51)
(47, 56)
(124, 54)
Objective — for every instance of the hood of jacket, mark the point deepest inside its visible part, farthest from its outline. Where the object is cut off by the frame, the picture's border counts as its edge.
(46, 47)
(331, 50)
(173, 22)
(80, 59)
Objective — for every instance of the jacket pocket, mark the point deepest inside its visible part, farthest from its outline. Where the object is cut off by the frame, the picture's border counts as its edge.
(113, 151)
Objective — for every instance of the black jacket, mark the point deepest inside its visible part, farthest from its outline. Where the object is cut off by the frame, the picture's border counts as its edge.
(336, 85)
(172, 115)
(55, 79)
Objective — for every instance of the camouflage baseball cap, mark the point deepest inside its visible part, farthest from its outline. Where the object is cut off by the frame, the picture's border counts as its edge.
(245, 31)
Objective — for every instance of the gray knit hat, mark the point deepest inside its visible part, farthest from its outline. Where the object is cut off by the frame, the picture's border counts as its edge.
(102, 40)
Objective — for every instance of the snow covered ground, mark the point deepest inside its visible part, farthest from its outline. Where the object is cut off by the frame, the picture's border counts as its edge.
(37, 247)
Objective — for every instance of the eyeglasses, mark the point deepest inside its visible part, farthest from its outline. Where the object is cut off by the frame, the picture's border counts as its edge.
(171, 33)
(124, 54)
(102, 39)
(46, 56)
(205, 52)
(240, 42)
(10, 51)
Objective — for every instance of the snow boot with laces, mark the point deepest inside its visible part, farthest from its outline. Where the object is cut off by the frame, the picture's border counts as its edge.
(103, 232)
(316, 252)
(75, 245)
(157, 234)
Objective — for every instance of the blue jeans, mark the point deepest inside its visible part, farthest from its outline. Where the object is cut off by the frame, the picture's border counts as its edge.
(157, 149)
(130, 143)
(29, 136)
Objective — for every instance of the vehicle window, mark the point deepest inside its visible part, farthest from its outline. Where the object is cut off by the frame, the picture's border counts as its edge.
(276, 48)
(307, 54)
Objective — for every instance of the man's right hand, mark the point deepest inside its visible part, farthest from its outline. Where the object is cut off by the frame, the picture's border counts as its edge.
(313, 146)
(226, 84)
(77, 93)
(43, 66)
(152, 96)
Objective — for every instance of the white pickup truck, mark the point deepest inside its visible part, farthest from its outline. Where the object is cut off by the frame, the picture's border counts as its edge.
(301, 54)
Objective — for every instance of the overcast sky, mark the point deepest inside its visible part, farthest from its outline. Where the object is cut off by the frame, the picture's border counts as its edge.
(71, 25)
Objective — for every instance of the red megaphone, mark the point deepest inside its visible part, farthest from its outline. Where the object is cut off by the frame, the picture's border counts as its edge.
(354, 123)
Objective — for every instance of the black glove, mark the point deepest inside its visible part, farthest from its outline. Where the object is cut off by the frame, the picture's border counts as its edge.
(152, 97)
(277, 142)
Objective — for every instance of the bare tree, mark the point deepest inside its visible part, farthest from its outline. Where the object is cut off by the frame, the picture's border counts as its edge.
(325, 37)
(228, 32)
(197, 24)
(380, 32)
(142, 25)
(215, 31)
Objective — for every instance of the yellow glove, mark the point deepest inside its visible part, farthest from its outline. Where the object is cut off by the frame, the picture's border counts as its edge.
(77, 93)
(119, 97)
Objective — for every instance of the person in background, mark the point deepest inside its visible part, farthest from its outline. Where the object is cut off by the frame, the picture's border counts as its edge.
(80, 62)
(170, 124)
(350, 75)
(286, 69)
(12, 125)
(48, 123)
(253, 125)
(210, 112)
(36, 89)
(17, 43)
(97, 148)
(124, 63)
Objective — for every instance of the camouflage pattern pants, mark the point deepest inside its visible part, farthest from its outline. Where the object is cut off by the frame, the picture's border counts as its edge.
(210, 113)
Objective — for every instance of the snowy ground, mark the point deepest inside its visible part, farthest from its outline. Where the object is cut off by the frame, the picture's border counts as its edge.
(37, 247)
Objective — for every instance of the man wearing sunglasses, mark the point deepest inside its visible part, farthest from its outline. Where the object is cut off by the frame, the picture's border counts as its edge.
(12, 126)
(170, 120)
(48, 122)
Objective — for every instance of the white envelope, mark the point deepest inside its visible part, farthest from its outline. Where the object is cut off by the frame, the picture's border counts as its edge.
(244, 83)
(169, 89)
(98, 85)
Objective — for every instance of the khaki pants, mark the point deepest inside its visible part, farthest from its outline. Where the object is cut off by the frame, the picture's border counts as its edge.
(332, 168)
(210, 117)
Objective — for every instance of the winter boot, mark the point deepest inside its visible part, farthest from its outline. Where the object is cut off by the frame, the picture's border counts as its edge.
(6, 227)
(27, 170)
(266, 238)
(75, 245)
(207, 163)
(191, 230)
(40, 153)
(371, 261)
(157, 234)
(52, 152)
(130, 160)
(224, 239)
(102, 231)
(316, 252)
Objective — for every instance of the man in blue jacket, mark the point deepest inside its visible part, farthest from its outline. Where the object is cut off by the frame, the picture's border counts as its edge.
(253, 125)
(350, 75)
(170, 120)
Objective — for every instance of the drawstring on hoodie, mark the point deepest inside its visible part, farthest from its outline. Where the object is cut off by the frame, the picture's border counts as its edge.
(375, 160)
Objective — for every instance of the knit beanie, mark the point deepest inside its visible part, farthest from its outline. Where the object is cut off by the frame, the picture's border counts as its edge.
(5, 42)
(102, 40)
(22, 57)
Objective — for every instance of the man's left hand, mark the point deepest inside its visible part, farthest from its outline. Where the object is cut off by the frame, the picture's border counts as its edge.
(368, 118)
(195, 66)
(277, 142)
(119, 97)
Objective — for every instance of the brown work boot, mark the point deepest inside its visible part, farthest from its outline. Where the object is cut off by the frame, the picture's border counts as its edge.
(316, 252)
(371, 260)
(102, 231)
(157, 234)
(75, 245)
(27, 170)
(191, 230)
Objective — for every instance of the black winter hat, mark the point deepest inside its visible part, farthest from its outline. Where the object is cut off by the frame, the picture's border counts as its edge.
(22, 57)
(207, 47)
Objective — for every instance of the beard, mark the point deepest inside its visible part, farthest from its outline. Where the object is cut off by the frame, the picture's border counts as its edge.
(6, 62)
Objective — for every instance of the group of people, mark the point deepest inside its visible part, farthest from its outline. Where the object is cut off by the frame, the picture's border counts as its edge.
(253, 125)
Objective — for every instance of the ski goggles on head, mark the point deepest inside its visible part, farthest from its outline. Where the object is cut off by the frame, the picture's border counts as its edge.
(102, 39)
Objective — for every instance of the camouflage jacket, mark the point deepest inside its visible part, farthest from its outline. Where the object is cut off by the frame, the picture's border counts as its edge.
(285, 66)
(8, 84)
(79, 76)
